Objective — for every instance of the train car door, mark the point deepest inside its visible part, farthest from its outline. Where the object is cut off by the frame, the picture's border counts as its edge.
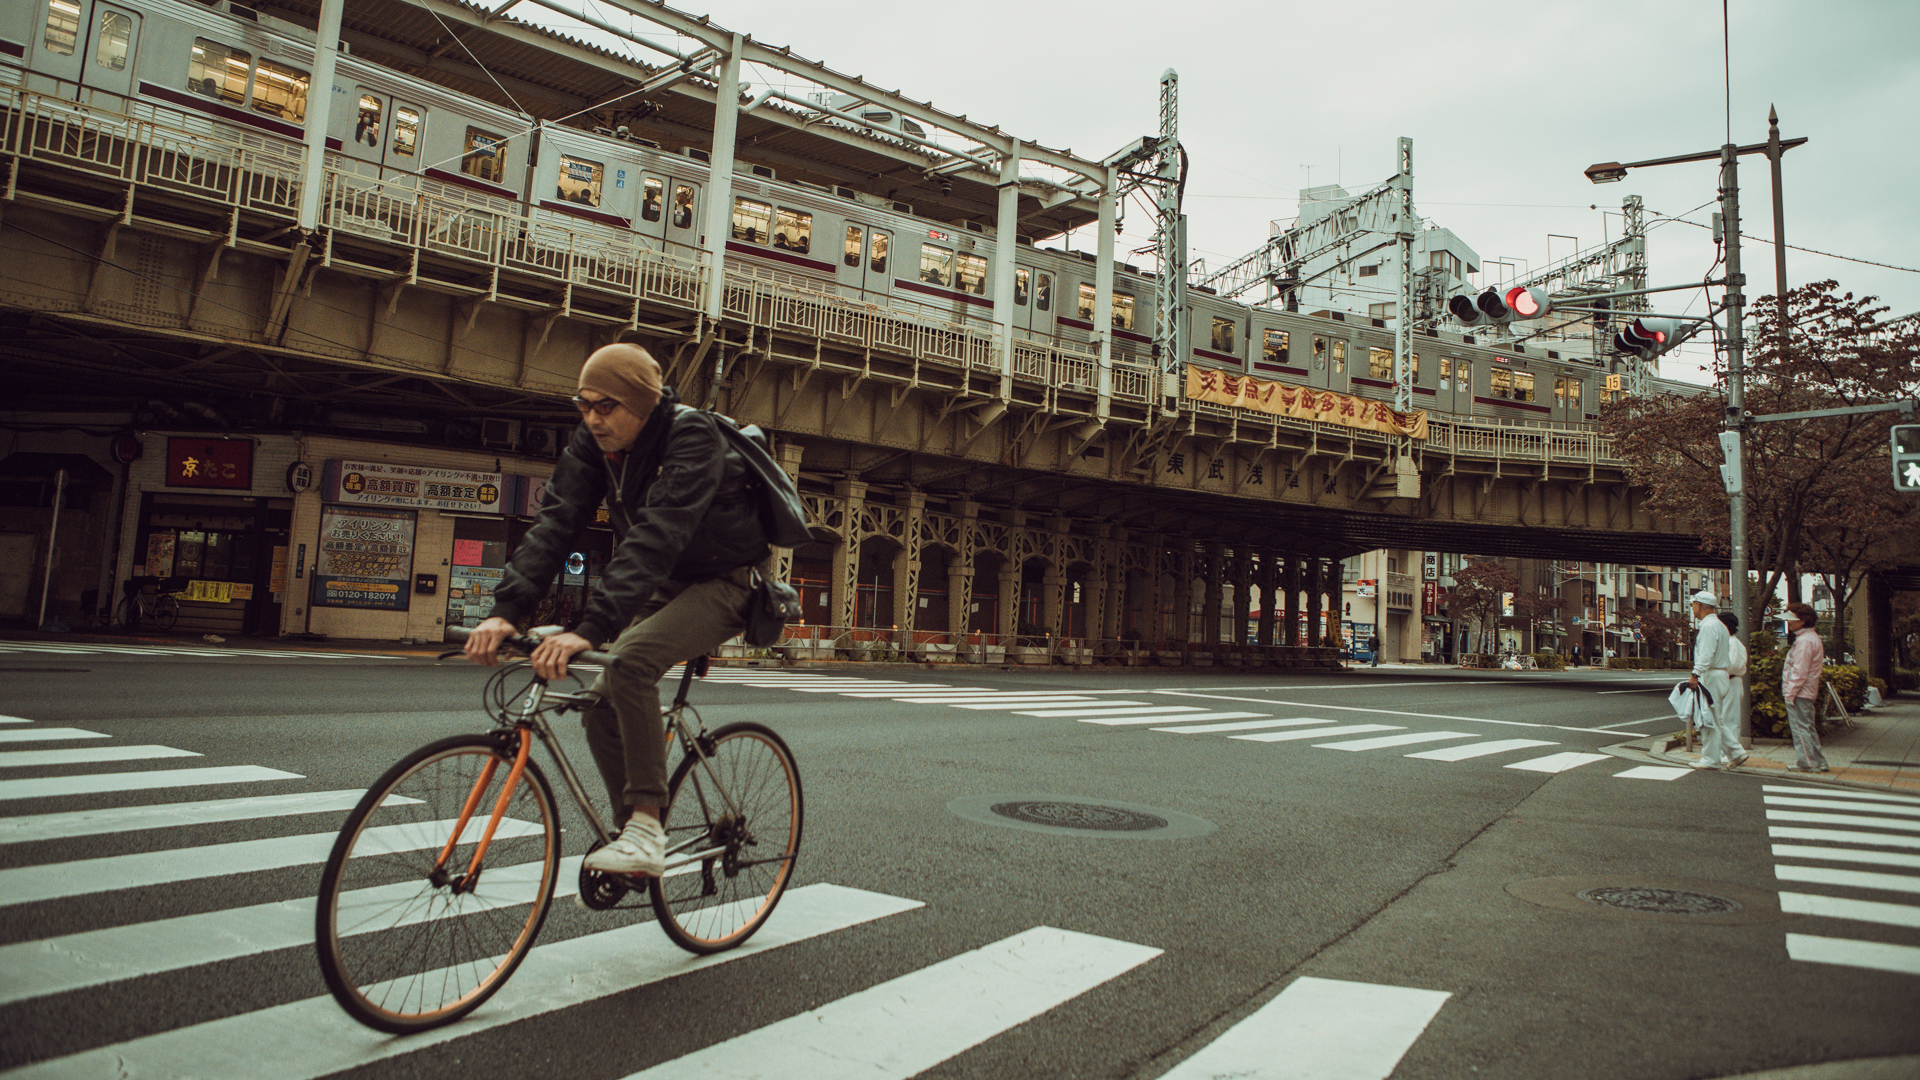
(386, 133)
(1568, 404)
(84, 44)
(1329, 362)
(115, 34)
(876, 278)
(652, 220)
(1455, 387)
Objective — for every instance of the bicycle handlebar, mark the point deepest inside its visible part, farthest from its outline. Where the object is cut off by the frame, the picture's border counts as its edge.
(526, 642)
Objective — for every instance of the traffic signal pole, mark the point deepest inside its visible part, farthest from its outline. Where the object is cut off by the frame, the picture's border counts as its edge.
(1736, 404)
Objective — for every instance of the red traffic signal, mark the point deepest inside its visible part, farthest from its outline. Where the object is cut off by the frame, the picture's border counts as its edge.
(1647, 337)
(1526, 303)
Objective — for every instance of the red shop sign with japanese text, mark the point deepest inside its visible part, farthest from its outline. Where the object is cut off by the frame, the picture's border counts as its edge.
(210, 463)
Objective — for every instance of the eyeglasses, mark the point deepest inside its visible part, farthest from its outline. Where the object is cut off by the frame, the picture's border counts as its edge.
(604, 406)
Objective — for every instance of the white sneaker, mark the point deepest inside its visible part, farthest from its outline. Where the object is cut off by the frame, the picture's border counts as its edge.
(641, 848)
(1703, 763)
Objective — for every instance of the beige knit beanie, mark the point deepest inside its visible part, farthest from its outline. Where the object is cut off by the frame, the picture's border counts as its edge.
(626, 373)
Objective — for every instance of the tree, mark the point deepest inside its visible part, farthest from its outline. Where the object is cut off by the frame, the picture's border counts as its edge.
(1541, 606)
(1818, 491)
(1478, 596)
(1662, 631)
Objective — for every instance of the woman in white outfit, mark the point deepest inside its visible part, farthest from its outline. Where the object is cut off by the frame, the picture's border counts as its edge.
(1713, 664)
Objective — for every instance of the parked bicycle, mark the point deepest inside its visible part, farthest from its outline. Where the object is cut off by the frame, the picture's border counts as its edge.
(149, 599)
(443, 874)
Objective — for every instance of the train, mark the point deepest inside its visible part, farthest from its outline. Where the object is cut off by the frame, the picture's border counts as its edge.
(227, 70)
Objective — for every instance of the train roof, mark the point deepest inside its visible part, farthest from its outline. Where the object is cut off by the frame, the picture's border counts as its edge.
(557, 78)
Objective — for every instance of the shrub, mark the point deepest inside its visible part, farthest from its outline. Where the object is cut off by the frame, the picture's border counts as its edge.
(1549, 661)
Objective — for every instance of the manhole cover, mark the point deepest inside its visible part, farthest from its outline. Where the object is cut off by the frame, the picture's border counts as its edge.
(1659, 901)
(1074, 815)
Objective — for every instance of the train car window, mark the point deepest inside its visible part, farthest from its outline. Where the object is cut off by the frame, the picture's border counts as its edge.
(281, 91)
(1523, 386)
(1573, 395)
(682, 206)
(653, 196)
(63, 27)
(406, 131)
(1446, 373)
(580, 180)
(215, 71)
(1463, 371)
(1500, 384)
(1085, 309)
(1022, 285)
(1339, 357)
(1123, 311)
(366, 127)
(973, 274)
(877, 253)
(116, 40)
(856, 241)
(1273, 346)
(486, 156)
(1222, 334)
(1379, 363)
(793, 230)
(936, 265)
(1559, 393)
(1043, 292)
(752, 221)
(1320, 354)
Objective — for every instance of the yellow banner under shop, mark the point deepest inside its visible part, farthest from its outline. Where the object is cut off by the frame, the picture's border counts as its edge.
(1302, 402)
(210, 592)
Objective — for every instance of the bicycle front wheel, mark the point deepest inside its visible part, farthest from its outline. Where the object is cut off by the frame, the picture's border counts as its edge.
(127, 614)
(732, 837)
(166, 612)
(412, 933)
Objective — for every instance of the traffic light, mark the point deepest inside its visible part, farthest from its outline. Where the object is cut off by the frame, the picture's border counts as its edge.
(1906, 457)
(1602, 310)
(1646, 337)
(1730, 469)
(1496, 307)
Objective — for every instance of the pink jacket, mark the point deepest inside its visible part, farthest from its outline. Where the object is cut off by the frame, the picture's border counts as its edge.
(1800, 672)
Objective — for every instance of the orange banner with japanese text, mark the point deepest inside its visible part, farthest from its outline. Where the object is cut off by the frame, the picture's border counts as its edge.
(1302, 402)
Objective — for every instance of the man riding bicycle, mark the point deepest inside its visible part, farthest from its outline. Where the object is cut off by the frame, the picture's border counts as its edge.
(687, 534)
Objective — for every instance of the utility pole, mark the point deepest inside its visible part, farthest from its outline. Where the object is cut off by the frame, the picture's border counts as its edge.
(1779, 226)
(1736, 396)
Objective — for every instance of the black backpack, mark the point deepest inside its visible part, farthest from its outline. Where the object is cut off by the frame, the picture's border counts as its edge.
(781, 511)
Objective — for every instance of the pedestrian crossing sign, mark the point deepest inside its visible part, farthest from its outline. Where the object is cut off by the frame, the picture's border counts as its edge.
(1906, 457)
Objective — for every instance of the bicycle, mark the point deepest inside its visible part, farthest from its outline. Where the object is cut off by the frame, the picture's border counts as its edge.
(430, 900)
(161, 607)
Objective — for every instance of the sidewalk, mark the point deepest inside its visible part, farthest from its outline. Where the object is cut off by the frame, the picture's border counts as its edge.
(1881, 749)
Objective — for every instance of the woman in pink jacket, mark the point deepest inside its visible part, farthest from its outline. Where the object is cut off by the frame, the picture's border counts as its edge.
(1800, 687)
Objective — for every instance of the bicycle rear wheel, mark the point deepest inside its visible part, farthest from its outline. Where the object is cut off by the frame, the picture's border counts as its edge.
(166, 612)
(127, 614)
(410, 940)
(731, 845)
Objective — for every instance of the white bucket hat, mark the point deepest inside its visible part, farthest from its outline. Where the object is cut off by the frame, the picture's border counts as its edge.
(1707, 598)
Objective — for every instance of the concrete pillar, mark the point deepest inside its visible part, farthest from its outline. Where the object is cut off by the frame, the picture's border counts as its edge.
(1242, 594)
(1315, 594)
(1269, 580)
(717, 224)
(846, 556)
(1213, 569)
(1290, 587)
(959, 598)
(788, 455)
(906, 567)
(1009, 600)
(1180, 565)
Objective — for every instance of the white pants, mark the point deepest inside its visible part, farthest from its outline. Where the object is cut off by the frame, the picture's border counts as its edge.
(1720, 740)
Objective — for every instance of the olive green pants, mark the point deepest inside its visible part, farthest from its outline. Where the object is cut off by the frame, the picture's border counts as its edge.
(681, 620)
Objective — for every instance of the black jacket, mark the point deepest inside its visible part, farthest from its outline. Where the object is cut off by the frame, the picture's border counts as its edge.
(682, 507)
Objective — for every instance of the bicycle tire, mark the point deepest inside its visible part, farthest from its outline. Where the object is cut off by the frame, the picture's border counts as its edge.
(711, 904)
(404, 947)
(166, 612)
(127, 614)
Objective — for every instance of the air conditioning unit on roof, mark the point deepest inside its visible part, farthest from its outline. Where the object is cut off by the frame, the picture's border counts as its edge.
(498, 434)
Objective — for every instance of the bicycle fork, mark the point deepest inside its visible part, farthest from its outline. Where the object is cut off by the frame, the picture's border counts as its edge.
(467, 881)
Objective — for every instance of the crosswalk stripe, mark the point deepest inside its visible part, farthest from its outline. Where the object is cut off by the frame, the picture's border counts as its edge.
(33, 969)
(1315, 733)
(1652, 772)
(1163, 718)
(1325, 1029)
(96, 783)
(1879, 955)
(1842, 794)
(1842, 836)
(1858, 879)
(20, 830)
(980, 699)
(907, 1025)
(26, 884)
(14, 720)
(1842, 819)
(850, 686)
(1852, 855)
(1474, 750)
(1244, 725)
(1840, 907)
(1829, 804)
(303, 1040)
(1112, 710)
(1000, 703)
(1383, 741)
(49, 734)
(18, 759)
(1558, 763)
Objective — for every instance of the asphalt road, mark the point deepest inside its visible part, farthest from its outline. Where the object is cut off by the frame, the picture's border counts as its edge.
(1374, 872)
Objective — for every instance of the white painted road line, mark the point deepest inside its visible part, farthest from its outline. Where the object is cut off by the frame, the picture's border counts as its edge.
(1874, 858)
(48, 881)
(1558, 763)
(114, 819)
(1113, 710)
(306, 1039)
(1904, 959)
(1164, 718)
(1384, 741)
(48, 734)
(14, 720)
(1474, 750)
(1843, 819)
(95, 783)
(908, 1025)
(1842, 793)
(1857, 879)
(1652, 772)
(1852, 808)
(1315, 733)
(1839, 907)
(1027, 700)
(1319, 1029)
(21, 759)
(1246, 725)
(1842, 836)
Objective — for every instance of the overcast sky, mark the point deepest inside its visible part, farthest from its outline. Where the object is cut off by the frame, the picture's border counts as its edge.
(1506, 105)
